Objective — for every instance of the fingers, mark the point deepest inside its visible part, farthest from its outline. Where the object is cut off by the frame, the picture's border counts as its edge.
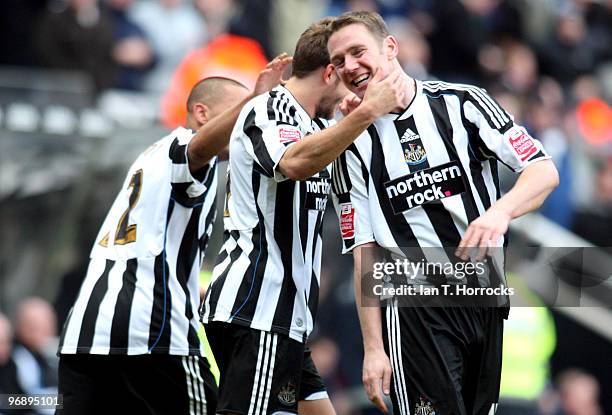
(479, 241)
(373, 390)
(463, 248)
(386, 383)
(378, 76)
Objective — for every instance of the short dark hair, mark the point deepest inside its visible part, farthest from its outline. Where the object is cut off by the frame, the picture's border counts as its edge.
(371, 20)
(311, 49)
(209, 89)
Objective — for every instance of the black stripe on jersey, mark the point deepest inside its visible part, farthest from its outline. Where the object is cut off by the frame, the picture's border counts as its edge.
(283, 235)
(439, 110)
(270, 105)
(401, 126)
(256, 136)
(319, 123)
(90, 315)
(208, 222)
(441, 220)
(121, 318)
(341, 180)
(187, 253)
(159, 329)
(399, 227)
(177, 152)
(250, 286)
(219, 281)
(495, 175)
(303, 219)
(313, 295)
(179, 195)
(493, 114)
(179, 190)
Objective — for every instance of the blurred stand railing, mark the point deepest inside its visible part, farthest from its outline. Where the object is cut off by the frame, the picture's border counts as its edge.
(566, 271)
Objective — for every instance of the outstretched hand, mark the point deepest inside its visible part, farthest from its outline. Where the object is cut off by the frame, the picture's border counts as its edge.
(272, 74)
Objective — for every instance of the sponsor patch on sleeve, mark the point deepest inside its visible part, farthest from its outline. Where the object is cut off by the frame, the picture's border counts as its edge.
(521, 142)
(347, 220)
(289, 135)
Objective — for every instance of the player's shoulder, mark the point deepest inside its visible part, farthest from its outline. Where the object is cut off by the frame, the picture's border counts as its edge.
(438, 87)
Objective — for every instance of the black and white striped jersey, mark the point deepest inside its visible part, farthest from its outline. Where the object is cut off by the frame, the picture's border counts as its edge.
(418, 179)
(141, 291)
(267, 273)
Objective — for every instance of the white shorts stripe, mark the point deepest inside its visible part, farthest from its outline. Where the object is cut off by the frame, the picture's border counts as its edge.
(393, 346)
(400, 362)
(201, 397)
(189, 384)
(270, 374)
(257, 374)
(264, 373)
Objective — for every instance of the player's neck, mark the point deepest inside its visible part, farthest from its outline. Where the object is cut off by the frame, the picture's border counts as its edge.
(410, 92)
(305, 92)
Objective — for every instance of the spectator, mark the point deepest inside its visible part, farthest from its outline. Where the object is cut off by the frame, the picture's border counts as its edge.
(574, 49)
(18, 21)
(79, 37)
(595, 222)
(132, 50)
(35, 334)
(579, 393)
(8, 370)
(184, 30)
(230, 56)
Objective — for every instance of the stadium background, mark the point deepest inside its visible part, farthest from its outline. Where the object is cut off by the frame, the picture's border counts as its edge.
(70, 126)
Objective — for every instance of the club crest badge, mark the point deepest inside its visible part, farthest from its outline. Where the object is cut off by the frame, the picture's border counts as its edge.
(414, 154)
(424, 407)
(286, 395)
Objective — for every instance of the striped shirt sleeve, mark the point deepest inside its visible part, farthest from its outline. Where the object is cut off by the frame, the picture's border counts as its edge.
(499, 136)
(185, 183)
(268, 142)
(351, 199)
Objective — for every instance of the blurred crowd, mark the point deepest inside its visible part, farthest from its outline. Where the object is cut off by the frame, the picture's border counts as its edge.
(28, 343)
(548, 62)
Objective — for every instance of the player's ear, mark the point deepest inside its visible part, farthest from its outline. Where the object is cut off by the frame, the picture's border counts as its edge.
(329, 74)
(391, 47)
(201, 112)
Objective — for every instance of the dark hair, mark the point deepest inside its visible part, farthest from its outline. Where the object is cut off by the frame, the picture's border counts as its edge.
(311, 48)
(371, 20)
(209, 89)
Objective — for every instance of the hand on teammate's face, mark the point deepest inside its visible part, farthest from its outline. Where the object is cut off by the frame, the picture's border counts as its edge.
(349, 103)
(272, 74)
(385, 94)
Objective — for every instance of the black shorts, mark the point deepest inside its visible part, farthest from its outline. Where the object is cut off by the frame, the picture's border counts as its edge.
(262, 372)
(141, 384)
(446, 360)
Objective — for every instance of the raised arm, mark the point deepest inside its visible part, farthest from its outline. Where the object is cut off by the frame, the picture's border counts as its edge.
(311, 154)
(214, 136)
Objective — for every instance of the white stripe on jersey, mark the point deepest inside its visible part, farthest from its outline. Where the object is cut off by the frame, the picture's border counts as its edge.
(141, 291)
(267, 273)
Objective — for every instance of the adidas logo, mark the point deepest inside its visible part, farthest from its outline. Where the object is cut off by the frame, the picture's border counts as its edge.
(409, 135)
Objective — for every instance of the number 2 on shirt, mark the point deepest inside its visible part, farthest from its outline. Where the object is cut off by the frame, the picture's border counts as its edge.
(125, 233)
